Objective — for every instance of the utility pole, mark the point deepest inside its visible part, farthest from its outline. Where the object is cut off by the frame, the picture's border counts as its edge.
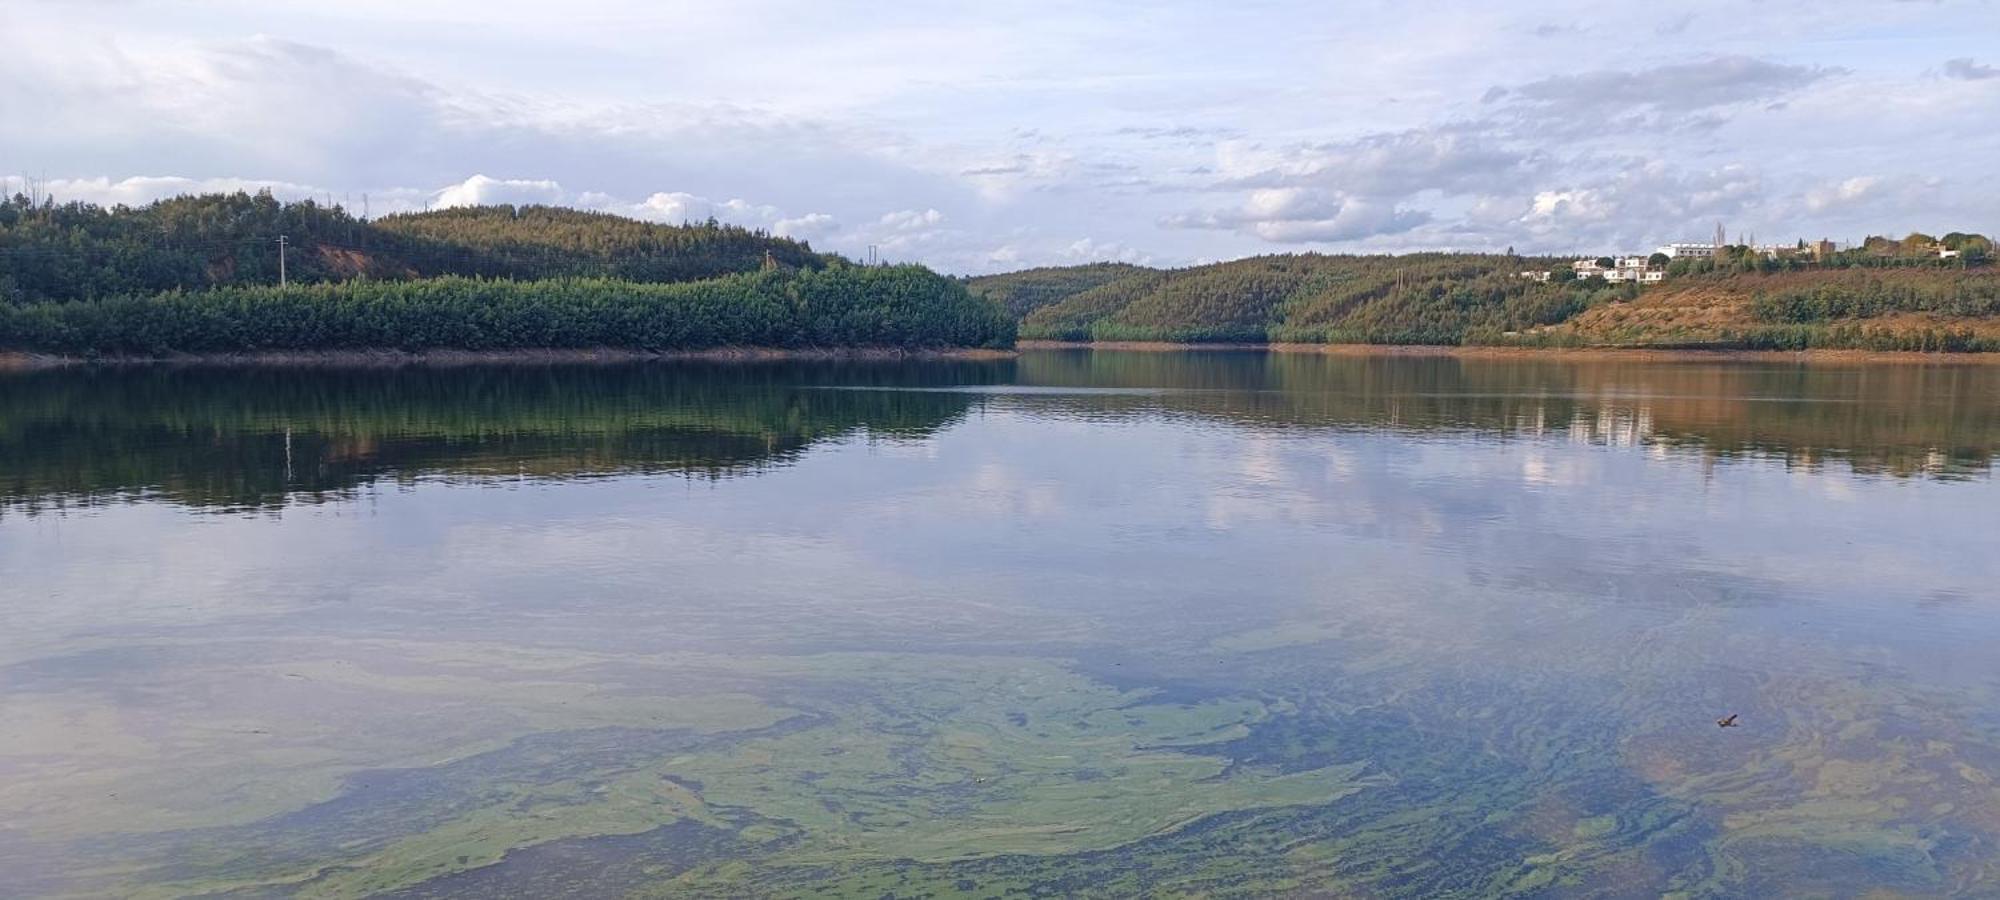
(281, 260)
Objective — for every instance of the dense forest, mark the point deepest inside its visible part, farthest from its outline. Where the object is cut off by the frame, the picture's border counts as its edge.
(1425, 298)
(1028, 290)
(842, 305)
(81, 251)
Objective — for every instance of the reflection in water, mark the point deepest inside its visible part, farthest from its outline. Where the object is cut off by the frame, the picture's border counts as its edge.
(1077, 623)
(1900, 419)
(248, 438)
(241, 439)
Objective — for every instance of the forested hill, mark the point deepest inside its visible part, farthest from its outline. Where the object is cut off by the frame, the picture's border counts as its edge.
(1425, 298)
(550, 241)
(79, 251)
(1028, 290)
(1882, 295)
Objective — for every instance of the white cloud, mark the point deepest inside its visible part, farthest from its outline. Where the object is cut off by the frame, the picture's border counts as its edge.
(480, 190)
(808, 227)
(139, 190)
(1841, 193)
(1089, 250)
(911, 219)
(1302, 215)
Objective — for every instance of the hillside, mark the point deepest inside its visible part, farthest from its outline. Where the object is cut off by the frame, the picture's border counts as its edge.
(79, 251)
(1877, 309)
(1435, 298)
(548, 241)
(1028, 290)
(1869, 300)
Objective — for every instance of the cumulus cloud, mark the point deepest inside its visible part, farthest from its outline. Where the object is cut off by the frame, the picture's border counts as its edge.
(480, 190)
(1841, 193)
(1450, 160)
(1356, 189)
(1300, 216)
(1089, 250)
(811, 226)
(675, 207)
(260, 103)
(1632, 204)
(1557, 161)
(912, 219)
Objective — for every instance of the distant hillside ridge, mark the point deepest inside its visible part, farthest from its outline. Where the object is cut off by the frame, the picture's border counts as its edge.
(1883, 295)
(1423, 298)
(82, 251)
(1028, 290)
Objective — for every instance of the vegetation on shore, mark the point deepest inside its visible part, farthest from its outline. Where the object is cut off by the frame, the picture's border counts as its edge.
(901, 306)
(1883, 296)
(1424, 298)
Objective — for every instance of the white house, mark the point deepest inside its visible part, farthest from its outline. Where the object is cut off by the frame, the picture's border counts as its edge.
(1636, 269)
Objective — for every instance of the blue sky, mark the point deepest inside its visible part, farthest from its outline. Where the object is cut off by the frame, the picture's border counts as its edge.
(992, 136)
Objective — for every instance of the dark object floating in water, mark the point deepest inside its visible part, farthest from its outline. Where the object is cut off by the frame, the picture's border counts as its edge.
(1728, 722)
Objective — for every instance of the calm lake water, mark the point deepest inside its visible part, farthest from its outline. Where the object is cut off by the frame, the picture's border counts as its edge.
(1081, 623)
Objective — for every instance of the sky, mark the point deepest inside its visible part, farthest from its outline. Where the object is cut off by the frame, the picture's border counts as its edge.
(1002, 135)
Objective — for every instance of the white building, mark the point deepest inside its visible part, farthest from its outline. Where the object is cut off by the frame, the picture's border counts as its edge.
(1687, 251)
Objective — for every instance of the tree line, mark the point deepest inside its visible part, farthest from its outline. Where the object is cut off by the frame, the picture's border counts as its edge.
(1455, 298)
(842, 305)
(1946, 294)
(1424, 298)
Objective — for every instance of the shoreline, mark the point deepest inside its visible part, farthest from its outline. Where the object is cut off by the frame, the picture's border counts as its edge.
(1627, 354)
(16, 361)
(12, 361)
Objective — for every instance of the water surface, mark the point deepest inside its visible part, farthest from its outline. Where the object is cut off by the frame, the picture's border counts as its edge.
(1077, 623)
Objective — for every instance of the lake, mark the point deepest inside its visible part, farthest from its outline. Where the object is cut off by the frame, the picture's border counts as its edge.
(1077, 623)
